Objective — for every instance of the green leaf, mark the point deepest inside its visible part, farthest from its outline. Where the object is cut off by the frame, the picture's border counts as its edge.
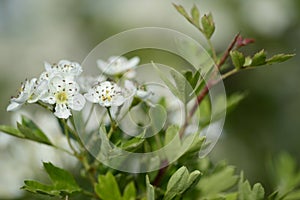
(208, 25)
(195, 15)
(180, 182)
(284, 174)
(107, 187)
(238, 59)
(195, 145)
(11, 131)
(193, 179)
(232, 196)
(181, 10)
(234, 99)
(294, 195)
(279, 58)
(150, 190)
(105, 149)
(246, 193)
(259, 58)
(36, 187)
(34, 135)
(129, 192)
(248, 61)
(179, 89)
(172, 136)
(177, 183)
(182, 86)
(32, 132)
(132, 144)
(62, 182)
(218, 181)
(28, 130)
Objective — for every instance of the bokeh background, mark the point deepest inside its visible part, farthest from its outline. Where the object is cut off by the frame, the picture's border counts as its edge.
(264, 124)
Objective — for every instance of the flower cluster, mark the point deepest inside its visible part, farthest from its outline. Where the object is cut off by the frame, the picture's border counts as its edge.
(55, 86)
(58, 86)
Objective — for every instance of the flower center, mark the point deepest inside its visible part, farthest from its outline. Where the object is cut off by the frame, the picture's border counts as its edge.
(61, 97)
(107, 96)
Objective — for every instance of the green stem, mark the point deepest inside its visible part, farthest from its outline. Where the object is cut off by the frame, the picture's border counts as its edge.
(230, 73)
(214, 54)
(64, 150)
(88, 169)
(210, 83)
(44, 105)
(112, 124)
(66, 131)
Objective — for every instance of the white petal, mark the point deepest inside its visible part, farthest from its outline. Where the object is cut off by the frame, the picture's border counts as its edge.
(48, 66)
(91, 98)
(102, 65)
(64, 62)
(143, 94)
(118, 100)
(133, 62)
(77, 102)
(130, 74)
(22, 98)
(129, 85)
(13, 106)
(56, 83)
(50, 99)
(62, 111)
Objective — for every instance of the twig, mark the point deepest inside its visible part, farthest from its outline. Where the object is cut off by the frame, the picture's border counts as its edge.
(209, 85)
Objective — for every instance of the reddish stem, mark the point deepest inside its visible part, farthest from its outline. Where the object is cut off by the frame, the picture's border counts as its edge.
(207, 87)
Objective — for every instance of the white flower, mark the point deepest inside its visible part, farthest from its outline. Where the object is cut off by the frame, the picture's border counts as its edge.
(86, 82)
(118, 65)
(28, 92)
(138, 91)
(64, 93)
(65, 67)
(106, 93)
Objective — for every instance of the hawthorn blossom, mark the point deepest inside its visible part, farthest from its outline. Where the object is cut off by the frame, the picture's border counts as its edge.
(138, 91)
(86, 82)
(65, 67)
(27, 93)
(64, 93)
(119, 65)
(106, 93)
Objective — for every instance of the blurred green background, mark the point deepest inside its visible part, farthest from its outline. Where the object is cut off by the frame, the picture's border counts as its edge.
(265, 123)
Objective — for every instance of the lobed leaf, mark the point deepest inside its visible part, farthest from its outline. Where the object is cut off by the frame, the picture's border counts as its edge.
(107, 187)
(259, 58)
(129, 192)
(246, 193)
(150, 190)
(11, 131)
(238, 59)
(62, 182)
(279, 58)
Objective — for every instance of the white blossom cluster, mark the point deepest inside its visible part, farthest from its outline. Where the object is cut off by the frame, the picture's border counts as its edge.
(59, 85)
